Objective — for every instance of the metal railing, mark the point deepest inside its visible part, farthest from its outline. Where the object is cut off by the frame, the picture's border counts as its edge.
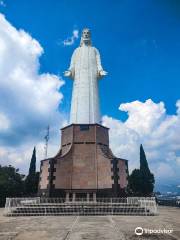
(80, 206)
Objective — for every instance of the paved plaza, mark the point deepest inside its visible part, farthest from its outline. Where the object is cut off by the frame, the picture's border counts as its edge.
(90, 227)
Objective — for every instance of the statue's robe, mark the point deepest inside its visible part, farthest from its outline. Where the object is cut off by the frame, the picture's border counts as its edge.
(85, 67)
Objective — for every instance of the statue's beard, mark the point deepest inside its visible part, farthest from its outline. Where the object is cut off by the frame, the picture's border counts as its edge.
(86, 41)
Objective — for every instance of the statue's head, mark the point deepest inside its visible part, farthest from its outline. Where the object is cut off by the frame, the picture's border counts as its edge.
(86, 37)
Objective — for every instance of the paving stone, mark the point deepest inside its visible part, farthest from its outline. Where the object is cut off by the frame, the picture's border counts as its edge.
(90, 227)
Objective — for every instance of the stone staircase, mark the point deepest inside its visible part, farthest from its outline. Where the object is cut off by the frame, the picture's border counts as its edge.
(81, 208)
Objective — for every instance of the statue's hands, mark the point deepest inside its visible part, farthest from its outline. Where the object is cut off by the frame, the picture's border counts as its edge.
(67, 73)
(102, 73)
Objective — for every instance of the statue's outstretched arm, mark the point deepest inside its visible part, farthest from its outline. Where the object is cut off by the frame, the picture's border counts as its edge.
(70, 71)
(101, 72)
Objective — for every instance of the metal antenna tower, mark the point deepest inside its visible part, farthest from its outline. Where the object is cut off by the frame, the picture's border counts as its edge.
(46, 142)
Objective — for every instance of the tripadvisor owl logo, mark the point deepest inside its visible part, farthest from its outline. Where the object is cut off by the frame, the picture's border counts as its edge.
(140, 231)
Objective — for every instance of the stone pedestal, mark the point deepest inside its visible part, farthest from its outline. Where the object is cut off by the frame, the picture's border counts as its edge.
(84, 165)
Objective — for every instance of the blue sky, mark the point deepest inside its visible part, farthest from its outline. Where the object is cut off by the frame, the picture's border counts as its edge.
(139, 43)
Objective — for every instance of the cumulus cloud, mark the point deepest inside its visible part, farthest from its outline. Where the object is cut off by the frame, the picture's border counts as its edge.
(149, 124)
(4, 122)
(29, 101)
(70, 40)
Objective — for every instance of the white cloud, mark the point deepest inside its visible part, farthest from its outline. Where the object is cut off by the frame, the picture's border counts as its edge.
(178, 160)
(29, 100)
(20, 155)
(149, 124)
(150, 112)
(163, 170)
(4, 122)
(178, 107)
(70, 40)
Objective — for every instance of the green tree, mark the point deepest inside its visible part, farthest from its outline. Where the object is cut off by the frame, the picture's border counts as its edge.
(141, 181)
(32, 168)
(31, 182)
(143, 161)
(11, 183)
(134, 183)
(147, 178)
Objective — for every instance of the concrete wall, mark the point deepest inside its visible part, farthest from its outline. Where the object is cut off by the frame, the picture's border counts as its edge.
(104, 174)
(44, 174)
(122, 173)
(84, 162)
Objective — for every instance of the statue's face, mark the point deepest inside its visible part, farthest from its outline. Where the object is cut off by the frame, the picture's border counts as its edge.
(86, 36)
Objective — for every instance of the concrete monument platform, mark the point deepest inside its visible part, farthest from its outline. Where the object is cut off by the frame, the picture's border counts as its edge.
(90, 227)
(85, 165)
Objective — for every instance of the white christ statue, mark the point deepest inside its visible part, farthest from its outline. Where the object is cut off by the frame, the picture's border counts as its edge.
(85, 69)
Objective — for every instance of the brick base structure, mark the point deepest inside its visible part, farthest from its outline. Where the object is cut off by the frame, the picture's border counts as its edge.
(84, 166)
